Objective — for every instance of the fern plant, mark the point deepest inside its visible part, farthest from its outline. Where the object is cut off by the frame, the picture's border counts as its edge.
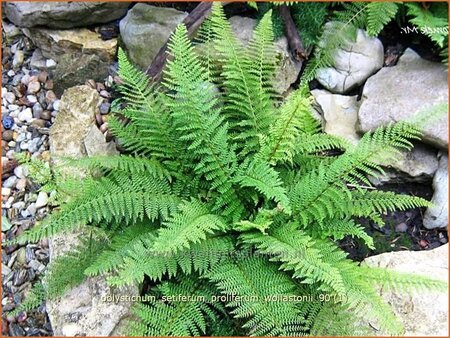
(227, 197)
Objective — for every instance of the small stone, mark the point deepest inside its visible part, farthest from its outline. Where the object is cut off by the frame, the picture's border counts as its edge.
(25, 80)
(18, 59)
(104, 108)
(43, 76)
(104, 94)
(41, 200)
(7, 135)
(10, 97)
(11, 73)
(5, 271)
(18, 205)
(10, 182)
(423, 243)
(16, 330)
(34, 144)
(40, 123)
(401, 227)
(21, 317)
(98, 119)
(31, 210)
(21, 184)
(46, 115)
(104, 127)
(25, 115)
(21, 171)
(6, 225)
(56, 104)
(50, 96)
(37, 111)
(34, 87)
(6, 191)
(32, 99)
(7, 122)
(100, 87)
(91, 83)
(48, 84)
(50, 63)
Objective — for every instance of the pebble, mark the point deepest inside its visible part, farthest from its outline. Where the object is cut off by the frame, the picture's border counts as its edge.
(46, 115)
(401, 227)
(21, 171)
(48, 84)
(32, 99)
(6, 191)
(25, 79)
(56, 105)
(34, 87)
(16, 330)
(104, 93)
(43, 76)
(39, 123)
(5, 272)
(18, 59)
(25, 115)
(50, 96)
(104, 127)
(20, 277)
(50, 63)
(21, 184)
(10, 97)
(10, 182)
(41, 200)
(31, 210)
(7, 135)
(7, 122)
(104, 108)
(37, 111)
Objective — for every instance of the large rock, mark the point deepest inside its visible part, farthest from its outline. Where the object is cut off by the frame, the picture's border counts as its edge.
(80, 54)
(63, 14)
(83, 311)
(353, 64)
(423, 313)
(418, 165)
(73, 70)
(287, 69)
(145, 29)
(437, 216)
(400, 92)
(340, 114)
(54, 44)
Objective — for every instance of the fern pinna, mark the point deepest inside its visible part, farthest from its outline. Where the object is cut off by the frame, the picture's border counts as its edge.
(228, 195)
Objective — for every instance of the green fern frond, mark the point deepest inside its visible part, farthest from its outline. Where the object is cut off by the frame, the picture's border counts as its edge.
(337, 229)
(248, 104)
(251, 282)
(299, 253)
(261, 176)
(402, 282)
(133, 165)
(122, 242)
(141, 261)
(280, 145)
(432, 22)
(153, 132)
(118, 197)
(378, 15)
(191, 224)
(197, 118)
(177, 317)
